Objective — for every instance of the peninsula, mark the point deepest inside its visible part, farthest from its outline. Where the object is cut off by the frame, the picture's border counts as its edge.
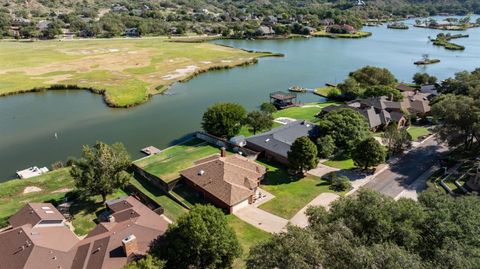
(125, 71)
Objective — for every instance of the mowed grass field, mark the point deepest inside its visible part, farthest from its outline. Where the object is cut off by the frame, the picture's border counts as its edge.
(168, 163)
(291, 193)
(128, 70)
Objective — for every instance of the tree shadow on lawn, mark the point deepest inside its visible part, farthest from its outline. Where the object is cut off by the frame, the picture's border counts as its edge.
(323, 183)
(87, 205)
(277, 174)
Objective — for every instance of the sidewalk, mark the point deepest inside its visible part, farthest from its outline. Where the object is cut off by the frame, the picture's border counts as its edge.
(324, 199)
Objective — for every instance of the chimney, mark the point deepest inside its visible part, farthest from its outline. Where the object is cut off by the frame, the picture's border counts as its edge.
(223, 152)
(130, 245)
(111, 218)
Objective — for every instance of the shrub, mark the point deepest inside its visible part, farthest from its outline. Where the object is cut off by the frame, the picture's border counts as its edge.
(340, 184)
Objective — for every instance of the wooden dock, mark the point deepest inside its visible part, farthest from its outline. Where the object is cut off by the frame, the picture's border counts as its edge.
(151, 150)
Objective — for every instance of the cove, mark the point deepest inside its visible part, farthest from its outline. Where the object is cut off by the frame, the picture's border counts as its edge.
(28, 122)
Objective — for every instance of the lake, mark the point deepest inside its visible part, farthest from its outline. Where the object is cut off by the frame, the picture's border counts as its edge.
(28, 122)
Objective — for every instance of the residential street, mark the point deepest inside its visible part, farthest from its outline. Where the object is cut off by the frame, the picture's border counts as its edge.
(401, 177)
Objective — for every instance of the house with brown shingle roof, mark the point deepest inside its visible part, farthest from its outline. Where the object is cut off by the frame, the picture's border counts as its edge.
(39, 238)
(229, 182)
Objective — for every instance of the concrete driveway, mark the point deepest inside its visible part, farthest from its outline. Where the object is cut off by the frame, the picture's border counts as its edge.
(325, 199)
(262, 219)
(405, 175)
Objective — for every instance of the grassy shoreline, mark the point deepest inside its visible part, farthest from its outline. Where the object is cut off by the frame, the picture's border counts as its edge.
(125, 72)
(358, 34)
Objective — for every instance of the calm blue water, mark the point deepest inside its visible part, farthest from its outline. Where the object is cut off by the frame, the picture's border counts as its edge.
(28, 122)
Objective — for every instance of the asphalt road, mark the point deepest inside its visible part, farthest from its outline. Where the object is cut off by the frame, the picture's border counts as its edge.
(402, 175)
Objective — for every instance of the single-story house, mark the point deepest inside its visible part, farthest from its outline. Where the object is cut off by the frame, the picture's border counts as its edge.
(39, 238)
(275, 144)
(265, 30)
(340, 29)
(377, 114)
(229, 182)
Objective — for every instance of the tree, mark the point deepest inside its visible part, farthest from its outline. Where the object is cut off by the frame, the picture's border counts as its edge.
(325, 146)
(148, 262)
(346, 126)
(101, 169)
(341, 183)
(200, 239)
(396, 140)
(380, 90)
(224, 119)
(259, 121)
(459, 118)
(350, 89)
(370, 230)
(267, 107)
(297, 248)
(423, 79)
(303, 155)
(385, 255)
(368, 153)
(372, 76)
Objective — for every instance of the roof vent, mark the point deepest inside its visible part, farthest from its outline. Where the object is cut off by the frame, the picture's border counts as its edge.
(266, 140)
(201, 173)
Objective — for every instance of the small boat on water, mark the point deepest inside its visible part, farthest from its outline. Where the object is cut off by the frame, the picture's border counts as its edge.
(297, 89)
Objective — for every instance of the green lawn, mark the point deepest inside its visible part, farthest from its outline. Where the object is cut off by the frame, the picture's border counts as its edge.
(167, 164)
(324, 91)
(417, 131)
(341, 164)
(12, 197)
(291, 193)
(246, 132)
(129, 70)
(303, 113)
(171, 208)
(248, 236)
(54, 186)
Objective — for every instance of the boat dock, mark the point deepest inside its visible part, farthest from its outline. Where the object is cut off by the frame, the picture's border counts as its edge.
(31, 172)
(151, 150)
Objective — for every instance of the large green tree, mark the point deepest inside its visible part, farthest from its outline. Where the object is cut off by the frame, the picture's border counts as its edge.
(380, 90)
(423, 79)
(346, 126)
(101, 169)
(459, 120)
(303, 155)
(200, 239)
(370, 230)
(369, 81)
(224, 119)
(368, 153)
(148, 262)
(259, 121)
(325, 146)
(396, 140)
(296, 248)
(373, 76)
